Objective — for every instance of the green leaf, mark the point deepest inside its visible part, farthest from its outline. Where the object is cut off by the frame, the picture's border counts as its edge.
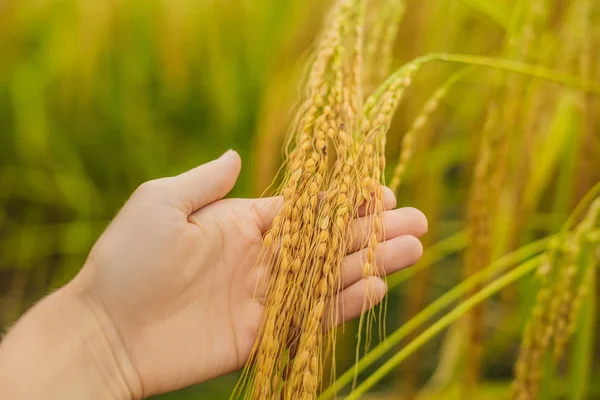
(493, 10)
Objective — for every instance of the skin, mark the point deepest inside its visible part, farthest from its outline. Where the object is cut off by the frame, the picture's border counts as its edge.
(171, 295)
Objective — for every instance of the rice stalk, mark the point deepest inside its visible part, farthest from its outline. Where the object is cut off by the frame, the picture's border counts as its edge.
(384, 18)
(479, 250)
(503, 136)
(307, 241)
(584, 10)
(408, 141)
(564, 281)
(302, 184)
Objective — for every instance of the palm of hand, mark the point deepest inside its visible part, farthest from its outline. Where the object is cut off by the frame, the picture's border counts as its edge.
(186, 291)
(232, 282)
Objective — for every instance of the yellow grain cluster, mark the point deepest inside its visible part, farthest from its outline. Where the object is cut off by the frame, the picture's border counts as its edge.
(334, 164)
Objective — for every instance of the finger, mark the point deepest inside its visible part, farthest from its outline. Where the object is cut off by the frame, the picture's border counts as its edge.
(356, 299)
(265, 210)
(207, 183)
(390, 256)
(403, 221)
(389, 202)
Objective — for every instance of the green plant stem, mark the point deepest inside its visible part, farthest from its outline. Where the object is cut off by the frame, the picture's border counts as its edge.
(494, 12)
(518, 67)
(435, 253)
(583, 205)
(444, 322)
(522, 68)
(430, 311)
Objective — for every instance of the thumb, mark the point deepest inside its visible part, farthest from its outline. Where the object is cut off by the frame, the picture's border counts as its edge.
(209, 182)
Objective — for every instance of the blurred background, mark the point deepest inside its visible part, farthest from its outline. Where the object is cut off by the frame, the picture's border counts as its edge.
(98, 96)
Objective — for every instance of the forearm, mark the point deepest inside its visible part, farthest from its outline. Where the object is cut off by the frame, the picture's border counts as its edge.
(62, 349)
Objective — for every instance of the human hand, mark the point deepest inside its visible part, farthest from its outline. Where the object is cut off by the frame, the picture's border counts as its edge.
(173, 280)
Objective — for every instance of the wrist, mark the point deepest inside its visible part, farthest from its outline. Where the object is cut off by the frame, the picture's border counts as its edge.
(66, 347)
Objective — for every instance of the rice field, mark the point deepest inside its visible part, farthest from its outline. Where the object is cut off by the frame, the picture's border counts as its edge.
(483, 114)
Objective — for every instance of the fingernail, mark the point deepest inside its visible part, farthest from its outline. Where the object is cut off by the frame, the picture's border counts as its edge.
(227, 154)
(231, 157)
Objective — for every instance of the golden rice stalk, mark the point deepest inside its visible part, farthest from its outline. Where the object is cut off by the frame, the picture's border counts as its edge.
(408, 142)
(383, 21)
(584, 13)
(563, 285)
(478, 253)
(516, 128)
(334, 216)
(371, 164)
(335, 160)
(520, 129)
(354, 87)
(501, 133)
(306, 242)
(377, 115)
(335, 213)
(396, 12)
